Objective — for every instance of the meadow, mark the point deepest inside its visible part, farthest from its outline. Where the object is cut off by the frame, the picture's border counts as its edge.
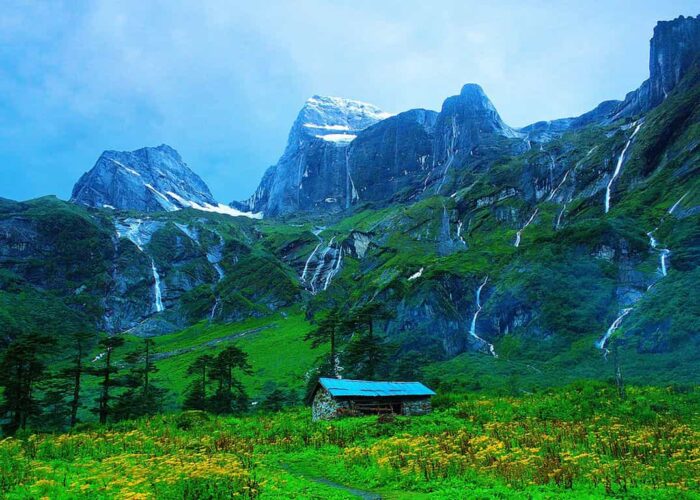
(579, 441)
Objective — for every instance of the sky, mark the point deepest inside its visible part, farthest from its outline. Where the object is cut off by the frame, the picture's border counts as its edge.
(222, 81)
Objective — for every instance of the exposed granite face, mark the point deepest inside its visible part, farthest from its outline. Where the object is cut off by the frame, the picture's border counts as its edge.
(466, 121)
(145, 180)
(342, 153)
(312, 175)
(390, 158)
(673, 49)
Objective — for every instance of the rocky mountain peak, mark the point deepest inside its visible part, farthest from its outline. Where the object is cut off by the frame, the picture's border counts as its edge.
(335, 119)
(473, 109)
(150, 179)
(673, 48)
(473, 91)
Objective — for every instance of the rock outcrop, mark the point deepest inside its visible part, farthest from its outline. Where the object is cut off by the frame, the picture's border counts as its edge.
(312, 174)
(145, 180)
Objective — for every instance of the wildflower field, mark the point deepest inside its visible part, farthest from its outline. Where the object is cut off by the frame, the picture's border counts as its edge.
(581, 441)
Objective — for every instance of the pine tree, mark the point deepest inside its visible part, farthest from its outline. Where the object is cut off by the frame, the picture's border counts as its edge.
(230, 396)
(73, 374)
(367, 353)
(22, 367)
(141, 396)
(329, 329)
(196, 397)
(108, 345)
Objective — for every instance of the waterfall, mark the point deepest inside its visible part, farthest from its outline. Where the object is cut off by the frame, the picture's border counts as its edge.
(351, 194)
(663, 253)
(213, 309)
(139, 233)
(472, 329)
(561, 183)
(306, 266)
(529, 221)
(675, 205)
(563, 209)
(613, 327)
(460, 224)
(334, 269)
(214, 256)
(158, 295)
(450, 153)
(321, 264)
(618, 167)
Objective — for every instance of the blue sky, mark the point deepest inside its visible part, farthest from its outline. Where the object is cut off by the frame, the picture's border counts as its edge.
(222, 81)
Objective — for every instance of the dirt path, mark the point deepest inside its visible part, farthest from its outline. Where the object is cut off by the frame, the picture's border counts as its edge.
(210, 343)
(366, 495)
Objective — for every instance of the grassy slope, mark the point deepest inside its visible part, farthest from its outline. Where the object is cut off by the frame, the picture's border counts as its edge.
(576, 442)
(275, 346)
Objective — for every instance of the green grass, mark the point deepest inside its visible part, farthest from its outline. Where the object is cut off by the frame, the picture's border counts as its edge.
(275, 346)
(580, 441)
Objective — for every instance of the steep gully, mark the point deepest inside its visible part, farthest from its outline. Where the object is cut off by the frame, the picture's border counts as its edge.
(134, 233)
(664, 254)
(472, 328)
(326, 266)
(618, 167)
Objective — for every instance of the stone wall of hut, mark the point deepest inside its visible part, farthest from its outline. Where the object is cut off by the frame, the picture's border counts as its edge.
(416, 407)
(325, 407)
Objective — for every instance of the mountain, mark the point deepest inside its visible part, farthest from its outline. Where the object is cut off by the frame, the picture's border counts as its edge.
(338, 148)
(145, 180)
(312, 174)
(524, 257)
(673, 50)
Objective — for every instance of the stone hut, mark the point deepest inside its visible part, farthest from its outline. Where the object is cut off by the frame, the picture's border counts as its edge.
(333, 397)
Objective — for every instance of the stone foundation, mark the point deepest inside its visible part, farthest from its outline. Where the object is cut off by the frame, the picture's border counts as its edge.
(417, 407)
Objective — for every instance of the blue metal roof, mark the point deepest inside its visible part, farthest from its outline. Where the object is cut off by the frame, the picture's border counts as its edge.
(344, 387)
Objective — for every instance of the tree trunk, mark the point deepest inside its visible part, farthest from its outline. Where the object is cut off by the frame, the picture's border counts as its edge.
(75, 403)
(148, 368)
(105, 389)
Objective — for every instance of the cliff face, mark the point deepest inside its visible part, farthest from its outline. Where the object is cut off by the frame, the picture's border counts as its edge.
(342, 153)
(146, 180)
(311, 174)
(673, 49)
(389, 159)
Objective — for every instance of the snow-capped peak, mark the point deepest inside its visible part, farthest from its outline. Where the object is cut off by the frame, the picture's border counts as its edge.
(337, 119)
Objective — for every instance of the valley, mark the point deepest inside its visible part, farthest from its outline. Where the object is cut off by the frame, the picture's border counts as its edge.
(541, 279)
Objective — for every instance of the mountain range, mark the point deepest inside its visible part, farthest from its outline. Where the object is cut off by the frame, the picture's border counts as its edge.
(500, 251)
